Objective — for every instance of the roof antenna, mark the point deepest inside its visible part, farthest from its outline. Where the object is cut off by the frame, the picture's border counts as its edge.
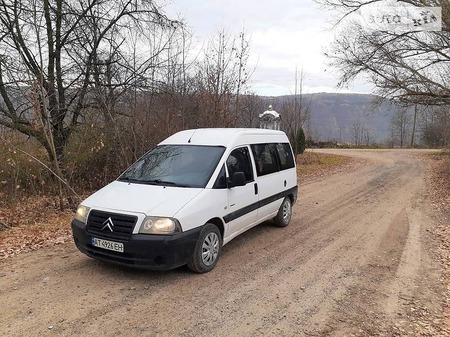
(193, 133)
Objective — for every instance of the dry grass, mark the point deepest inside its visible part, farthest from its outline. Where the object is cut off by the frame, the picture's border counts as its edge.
(314, 164)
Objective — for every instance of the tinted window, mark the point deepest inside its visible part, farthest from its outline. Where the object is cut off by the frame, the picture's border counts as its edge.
(285, 155)
(221, 181)
(239, 161)
(265, 158)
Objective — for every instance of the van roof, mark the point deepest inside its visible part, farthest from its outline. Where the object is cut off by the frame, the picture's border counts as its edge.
(225, 136)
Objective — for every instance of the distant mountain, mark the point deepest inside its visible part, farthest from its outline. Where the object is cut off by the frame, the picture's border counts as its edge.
(333, 115)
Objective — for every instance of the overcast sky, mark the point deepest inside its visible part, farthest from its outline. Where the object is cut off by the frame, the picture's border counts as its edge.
(284, 34)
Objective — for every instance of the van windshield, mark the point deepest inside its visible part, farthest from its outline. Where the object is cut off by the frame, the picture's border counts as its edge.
(175, 165)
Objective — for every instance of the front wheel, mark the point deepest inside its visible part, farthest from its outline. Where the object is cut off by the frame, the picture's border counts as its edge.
(284, 213)
(207, 250)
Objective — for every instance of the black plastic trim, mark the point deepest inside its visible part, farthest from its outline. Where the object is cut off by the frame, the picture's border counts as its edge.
(143, 251)
(250, 208)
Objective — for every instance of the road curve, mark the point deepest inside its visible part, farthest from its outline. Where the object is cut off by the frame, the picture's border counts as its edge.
(355, 260)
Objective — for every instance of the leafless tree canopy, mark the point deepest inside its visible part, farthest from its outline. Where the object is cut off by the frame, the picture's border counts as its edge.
(99, 82)
(52, 52)
(412, 66)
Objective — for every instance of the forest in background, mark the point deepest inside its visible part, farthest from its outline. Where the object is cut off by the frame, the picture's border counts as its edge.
(88, 87)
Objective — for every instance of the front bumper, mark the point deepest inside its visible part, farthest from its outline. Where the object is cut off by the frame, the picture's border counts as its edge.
(155, 252)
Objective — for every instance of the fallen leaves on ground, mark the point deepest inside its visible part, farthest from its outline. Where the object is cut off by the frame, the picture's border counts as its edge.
(438, 190)
(32, 223)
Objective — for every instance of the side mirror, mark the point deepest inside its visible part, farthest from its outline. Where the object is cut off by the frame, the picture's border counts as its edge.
(238, 179)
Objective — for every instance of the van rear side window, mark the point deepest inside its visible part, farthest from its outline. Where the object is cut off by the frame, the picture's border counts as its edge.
(285, 155)
(272, 158)
(265, 158)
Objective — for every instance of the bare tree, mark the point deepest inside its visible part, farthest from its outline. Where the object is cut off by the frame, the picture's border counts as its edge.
(413, 66)
(413, 132)
(435, 126)
(249, 108)
(361, 134)
(295, 111)
(221, 79)
(242, 53)
(401, 126)
(56, 51)
(358, 132)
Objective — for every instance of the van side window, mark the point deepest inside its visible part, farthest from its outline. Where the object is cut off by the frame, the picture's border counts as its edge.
(265, 158)
(239, 161)
(285, 155)
(221, 181)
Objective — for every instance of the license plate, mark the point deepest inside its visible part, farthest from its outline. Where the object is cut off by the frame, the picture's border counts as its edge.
(110, 245)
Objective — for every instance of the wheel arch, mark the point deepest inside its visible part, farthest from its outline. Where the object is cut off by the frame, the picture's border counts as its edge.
(219, 223)
(293, 195)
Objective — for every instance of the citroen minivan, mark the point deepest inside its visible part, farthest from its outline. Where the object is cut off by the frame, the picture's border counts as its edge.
(187, 197)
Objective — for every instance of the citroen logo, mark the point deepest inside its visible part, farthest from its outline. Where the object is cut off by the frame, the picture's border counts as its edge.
(108, 224)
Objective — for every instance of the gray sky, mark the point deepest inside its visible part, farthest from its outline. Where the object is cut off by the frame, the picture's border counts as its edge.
(284, 34)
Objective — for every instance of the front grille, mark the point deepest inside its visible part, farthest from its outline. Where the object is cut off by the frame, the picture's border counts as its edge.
(122, 225)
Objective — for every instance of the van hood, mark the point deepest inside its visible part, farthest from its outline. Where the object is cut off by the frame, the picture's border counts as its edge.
(152, 200)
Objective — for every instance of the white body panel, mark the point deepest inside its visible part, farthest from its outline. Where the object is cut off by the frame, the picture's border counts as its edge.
(237, 208)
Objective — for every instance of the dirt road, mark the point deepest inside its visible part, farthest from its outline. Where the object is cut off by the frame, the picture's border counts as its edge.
(357, 259)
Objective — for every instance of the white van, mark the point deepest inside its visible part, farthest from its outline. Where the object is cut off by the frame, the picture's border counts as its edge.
(187, 197)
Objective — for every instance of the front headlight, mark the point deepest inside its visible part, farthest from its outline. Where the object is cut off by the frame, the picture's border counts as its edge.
(156, 225)
(82, 213)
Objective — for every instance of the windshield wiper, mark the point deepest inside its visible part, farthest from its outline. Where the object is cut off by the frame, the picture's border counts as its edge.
(164, 183)
(157, 182)
(132, 180)
(153, 182)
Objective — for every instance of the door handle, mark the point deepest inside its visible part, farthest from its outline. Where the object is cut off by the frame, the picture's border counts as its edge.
(256, 188)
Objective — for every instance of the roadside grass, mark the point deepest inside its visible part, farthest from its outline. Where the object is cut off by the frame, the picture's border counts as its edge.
(310, 162)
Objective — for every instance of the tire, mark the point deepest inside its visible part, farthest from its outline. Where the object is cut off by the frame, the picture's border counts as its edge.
(284, 215)
(207, 250)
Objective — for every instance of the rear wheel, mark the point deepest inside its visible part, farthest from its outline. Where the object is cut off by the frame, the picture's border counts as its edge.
(207, 250)
(284, 213)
